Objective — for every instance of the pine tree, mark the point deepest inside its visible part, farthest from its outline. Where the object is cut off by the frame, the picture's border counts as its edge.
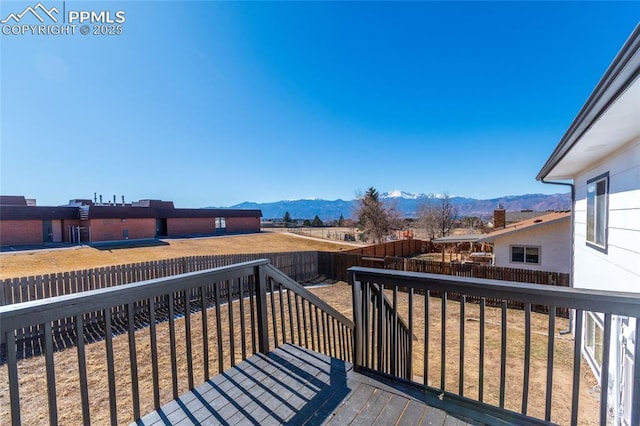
(374, 218)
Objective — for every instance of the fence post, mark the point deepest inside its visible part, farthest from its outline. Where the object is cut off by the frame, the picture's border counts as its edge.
(261, 306)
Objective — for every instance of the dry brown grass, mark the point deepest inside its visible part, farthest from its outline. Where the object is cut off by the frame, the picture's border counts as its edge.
(70, 259)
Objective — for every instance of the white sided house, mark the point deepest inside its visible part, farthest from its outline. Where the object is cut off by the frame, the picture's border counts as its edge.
(599, 156)
(541, 243)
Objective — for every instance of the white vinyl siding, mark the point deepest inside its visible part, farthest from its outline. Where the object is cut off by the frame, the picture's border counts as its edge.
(553, 240)
(619, 268)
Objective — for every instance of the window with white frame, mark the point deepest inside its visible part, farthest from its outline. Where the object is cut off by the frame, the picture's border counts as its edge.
(597, 191)
(221, 223)
(525, 254)
(593, 339)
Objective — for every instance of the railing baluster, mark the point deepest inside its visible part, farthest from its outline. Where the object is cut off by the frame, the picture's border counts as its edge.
(443, 340)
(205, 333)
(425, 373)
(51, 376)
(82, 369)
(216, 295)
(550, 349)
(243, 331)
(461, 362)
(318, 329)
(333, 333)
(187, 337)
(304, 324)
(394, 332)
(604, 369)
(381, 329)
(252, 294)
(329, 336)
(153, 340)
(483, 302)
(283, 323)
(313, 340)
(409, 361)
(577, 359)
(113, 410)
(369, 302)
(232, 335)
(342, 348)
(133, 360)
(324, 332)
(527, 356)
(290, 309)
(295, 299)
(172, 344)
(271, 289)
(503, 352)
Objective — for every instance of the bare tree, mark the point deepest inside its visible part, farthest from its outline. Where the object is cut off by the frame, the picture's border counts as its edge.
(437, 216)
(375, 219)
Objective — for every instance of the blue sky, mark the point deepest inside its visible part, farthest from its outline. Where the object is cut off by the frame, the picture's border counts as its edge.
(215, 103)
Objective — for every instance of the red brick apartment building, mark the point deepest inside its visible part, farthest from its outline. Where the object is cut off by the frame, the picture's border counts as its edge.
(24, 223)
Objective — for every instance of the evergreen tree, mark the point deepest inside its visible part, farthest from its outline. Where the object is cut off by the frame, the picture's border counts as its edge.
(341, 220)
(374, 218)
(316, 221)
(286, 219)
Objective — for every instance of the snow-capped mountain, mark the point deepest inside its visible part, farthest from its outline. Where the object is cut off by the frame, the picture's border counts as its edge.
(396, 193)
(408, 205)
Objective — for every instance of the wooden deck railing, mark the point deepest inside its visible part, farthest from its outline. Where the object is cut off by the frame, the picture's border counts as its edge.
(476, 385)
(206, 322)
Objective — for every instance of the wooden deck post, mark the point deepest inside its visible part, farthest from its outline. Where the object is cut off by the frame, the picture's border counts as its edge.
(261, 306)
(357, 320)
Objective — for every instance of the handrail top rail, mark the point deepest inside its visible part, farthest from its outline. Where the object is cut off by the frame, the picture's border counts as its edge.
(290, 284)
(614, 302)
(52, 308)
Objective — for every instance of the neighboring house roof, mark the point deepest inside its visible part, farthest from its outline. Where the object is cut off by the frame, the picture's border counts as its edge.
(525, 225)
(471, 238)
(512, 217)
(611, 112)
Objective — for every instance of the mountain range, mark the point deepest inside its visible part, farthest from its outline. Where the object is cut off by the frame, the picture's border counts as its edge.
(407, 204)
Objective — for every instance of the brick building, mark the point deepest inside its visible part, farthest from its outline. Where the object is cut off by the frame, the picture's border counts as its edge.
(81, 220)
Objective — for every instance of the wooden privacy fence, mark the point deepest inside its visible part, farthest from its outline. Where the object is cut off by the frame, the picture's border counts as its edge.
(301, 266)
(335, 265)
(400, 248)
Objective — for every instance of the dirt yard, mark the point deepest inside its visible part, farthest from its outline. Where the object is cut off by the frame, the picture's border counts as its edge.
(27, 263)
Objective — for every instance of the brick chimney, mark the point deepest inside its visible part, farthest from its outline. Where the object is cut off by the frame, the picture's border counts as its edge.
(499, 218)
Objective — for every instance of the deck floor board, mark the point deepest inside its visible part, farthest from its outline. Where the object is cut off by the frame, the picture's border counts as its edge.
(292, 385)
